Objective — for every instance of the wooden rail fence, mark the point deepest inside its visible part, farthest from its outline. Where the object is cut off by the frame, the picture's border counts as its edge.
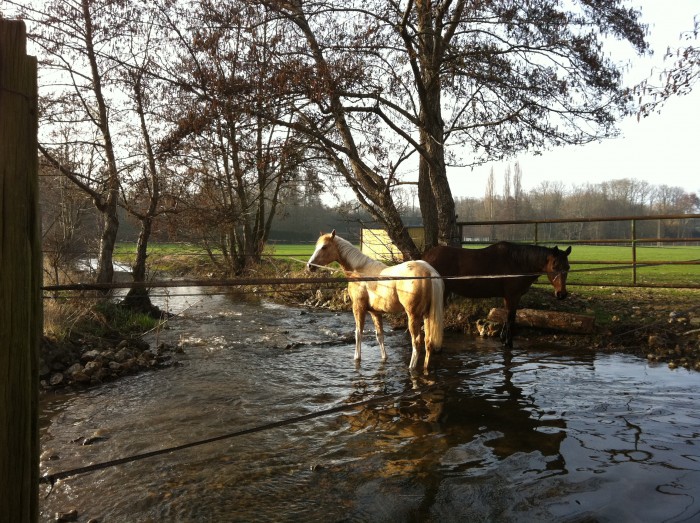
(530, 231)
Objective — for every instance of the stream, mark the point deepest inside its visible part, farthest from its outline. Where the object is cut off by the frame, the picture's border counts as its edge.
(302, 433)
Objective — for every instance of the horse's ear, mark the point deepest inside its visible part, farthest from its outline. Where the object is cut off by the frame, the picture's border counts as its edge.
(568, 251)
(333, 234)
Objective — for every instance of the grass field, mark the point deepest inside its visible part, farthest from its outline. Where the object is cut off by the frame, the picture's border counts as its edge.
(655, 265)
(590, 265)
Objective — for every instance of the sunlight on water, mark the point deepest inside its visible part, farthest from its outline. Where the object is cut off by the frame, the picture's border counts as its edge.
(539, 434)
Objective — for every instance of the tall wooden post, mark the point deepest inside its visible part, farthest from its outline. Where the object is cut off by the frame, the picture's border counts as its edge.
(20, 277)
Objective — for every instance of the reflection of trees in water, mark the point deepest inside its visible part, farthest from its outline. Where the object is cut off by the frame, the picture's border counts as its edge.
(452, 424)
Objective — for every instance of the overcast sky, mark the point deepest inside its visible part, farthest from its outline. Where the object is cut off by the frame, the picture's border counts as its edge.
(661, 149)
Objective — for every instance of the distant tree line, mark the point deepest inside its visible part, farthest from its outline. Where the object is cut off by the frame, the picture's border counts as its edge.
(554, 200)
(71, 224)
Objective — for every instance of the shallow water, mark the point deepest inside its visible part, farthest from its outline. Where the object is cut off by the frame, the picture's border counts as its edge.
(541, 433)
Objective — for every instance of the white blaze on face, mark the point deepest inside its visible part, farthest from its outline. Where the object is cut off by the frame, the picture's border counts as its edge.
(311, 264)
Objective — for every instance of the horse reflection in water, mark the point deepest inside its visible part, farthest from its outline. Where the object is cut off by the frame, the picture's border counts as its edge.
(458, 427)
(519, 266)
(414, 287)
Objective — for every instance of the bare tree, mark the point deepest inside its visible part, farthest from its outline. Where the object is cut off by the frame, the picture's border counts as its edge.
(65, 212)
(77, 39)
(241, 160)
(380, 89)
(491, 78)
(676, 80)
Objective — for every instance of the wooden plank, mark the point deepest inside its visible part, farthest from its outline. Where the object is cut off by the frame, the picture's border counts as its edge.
(376, 244)
(20, 277)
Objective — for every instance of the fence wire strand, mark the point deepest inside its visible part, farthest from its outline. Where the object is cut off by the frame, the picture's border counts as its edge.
(52, 478)
(337, 280)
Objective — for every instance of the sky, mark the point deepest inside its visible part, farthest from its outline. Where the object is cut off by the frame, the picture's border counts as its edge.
(661, 149)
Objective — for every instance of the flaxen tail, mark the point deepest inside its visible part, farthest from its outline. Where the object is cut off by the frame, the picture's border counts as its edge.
(437, 304)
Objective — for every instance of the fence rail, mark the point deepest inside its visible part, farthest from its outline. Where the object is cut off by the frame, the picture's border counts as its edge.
(634, 237)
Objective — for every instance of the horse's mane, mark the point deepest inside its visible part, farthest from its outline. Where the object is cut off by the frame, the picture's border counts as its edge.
(530, 257)
(355, 259)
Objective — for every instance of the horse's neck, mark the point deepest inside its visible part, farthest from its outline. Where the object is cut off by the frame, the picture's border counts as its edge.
(352, 260)
(533, 258)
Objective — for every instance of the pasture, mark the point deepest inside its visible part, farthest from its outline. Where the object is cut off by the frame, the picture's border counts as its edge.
(603, 265)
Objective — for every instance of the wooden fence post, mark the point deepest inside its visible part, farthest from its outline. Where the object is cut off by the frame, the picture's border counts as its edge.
(21, 319)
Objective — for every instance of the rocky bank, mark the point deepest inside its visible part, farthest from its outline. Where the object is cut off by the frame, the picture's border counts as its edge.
(81, 363)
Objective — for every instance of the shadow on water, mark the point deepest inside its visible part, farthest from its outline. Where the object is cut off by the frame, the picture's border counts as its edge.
(536, 433)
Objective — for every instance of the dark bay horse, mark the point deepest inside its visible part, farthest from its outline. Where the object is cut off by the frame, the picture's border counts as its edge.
(480, 268)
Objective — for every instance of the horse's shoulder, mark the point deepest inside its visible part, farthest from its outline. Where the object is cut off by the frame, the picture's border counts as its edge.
(357, 290)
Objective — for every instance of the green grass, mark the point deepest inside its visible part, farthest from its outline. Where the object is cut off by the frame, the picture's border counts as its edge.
(299, 250)
(590, 264)
(606, 272)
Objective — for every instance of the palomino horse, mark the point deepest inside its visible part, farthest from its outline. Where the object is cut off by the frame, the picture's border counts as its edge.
(522, 263)
(414, 287)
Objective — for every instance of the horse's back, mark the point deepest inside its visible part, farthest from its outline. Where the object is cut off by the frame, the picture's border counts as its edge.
(455, 262)
(412, 288)
(443, 259)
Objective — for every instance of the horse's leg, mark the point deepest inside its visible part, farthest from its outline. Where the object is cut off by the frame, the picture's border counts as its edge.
(416, 339)
(359, 314)
(428, 340)
(509, 326)
(379, 329)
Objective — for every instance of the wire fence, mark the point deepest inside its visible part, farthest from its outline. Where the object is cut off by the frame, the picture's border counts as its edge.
(630, 233)
(212, 286)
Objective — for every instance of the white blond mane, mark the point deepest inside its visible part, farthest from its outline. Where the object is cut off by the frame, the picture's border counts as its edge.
(353, 258)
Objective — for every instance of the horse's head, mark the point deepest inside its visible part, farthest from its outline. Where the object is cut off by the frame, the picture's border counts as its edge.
(326, 252)
(557, 269)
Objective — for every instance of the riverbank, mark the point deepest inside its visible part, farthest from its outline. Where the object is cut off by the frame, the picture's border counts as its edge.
(662, 325)
(88, 342)
(80, 363)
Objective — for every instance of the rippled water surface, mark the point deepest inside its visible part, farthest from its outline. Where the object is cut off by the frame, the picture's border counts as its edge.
(537, 434)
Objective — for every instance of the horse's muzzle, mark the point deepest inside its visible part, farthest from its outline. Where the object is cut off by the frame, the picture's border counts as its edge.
(310, 267)
(560, 295)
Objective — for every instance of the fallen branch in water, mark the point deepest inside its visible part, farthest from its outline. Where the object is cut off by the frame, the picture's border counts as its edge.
(562, 321)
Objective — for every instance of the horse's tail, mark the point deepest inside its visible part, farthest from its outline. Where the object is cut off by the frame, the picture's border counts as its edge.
(437, 304)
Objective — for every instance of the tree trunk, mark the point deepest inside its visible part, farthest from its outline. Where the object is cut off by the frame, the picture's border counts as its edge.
(139, 269)
(371, 189)
(108, 208)
(137, 298)
(105, 261)
(428, 208)
(21, 319)
(432, 125)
